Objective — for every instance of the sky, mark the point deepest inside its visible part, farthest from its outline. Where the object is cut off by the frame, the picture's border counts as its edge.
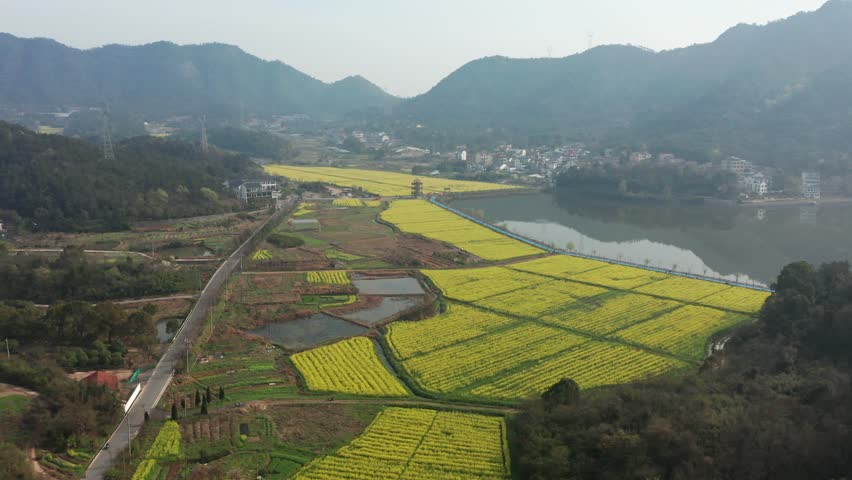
(404, 46)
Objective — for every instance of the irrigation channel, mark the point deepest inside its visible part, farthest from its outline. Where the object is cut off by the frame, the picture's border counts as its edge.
(160, 379)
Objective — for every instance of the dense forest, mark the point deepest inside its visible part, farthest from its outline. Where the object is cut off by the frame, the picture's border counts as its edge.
(774, 404)
(59, 183)
(664, 182)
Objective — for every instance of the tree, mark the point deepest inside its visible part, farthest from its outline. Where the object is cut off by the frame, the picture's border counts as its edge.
(174, 412)
(13, 463)
(207, 395)
(148, 416)
(564, 392)
(221, 393)
(204, 406)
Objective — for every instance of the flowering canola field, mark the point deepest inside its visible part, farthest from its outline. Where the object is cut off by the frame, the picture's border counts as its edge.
(330, 277)
(350, 366)
(514, 331)
(388, 184)
(166, 446)
(423, 218)
(419, 444)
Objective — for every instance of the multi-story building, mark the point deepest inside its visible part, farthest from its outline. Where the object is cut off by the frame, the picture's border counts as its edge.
(737, 165)
(811, 185)
(258, 189)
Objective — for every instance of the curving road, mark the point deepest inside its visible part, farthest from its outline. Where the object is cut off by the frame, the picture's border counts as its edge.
(156, 385)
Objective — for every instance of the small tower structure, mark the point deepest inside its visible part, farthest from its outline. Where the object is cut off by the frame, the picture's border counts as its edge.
(416, 188)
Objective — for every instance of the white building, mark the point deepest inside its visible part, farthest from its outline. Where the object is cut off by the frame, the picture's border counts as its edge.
(811, 185)
(758, 184)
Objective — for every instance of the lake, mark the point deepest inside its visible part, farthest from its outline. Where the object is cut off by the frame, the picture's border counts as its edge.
(745, 243)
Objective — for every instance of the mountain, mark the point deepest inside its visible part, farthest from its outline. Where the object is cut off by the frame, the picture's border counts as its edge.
(163, 78)
(775, 93)
(61, 183)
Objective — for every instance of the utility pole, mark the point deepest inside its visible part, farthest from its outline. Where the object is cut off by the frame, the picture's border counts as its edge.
(8, 353)
(205, 146)
(188, 343)
(106, 140)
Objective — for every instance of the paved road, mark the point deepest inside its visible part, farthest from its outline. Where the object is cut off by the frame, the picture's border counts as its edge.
(156, 385)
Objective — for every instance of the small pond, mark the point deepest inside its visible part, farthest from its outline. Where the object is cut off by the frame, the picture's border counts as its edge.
(307, 332)
(388, 307)
(389, 286)
(163, 333)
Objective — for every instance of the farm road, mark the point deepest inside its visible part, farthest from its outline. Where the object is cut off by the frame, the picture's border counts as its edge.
(162, 375)
(466, 407)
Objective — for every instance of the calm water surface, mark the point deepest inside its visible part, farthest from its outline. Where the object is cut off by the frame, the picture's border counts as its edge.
(745, 243)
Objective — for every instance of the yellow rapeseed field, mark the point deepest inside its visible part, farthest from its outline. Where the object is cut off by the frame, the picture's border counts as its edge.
(513, 331)
(350, 366)
(386, 184)
(347, 202)
(423, 218)
(419, 444)
(330, 277)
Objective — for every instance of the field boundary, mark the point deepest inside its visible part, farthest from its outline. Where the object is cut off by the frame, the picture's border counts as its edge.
(559, 251)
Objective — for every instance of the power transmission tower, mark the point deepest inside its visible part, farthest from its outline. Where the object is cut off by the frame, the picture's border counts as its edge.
(205, 146)
(591, 36)
(109, 152)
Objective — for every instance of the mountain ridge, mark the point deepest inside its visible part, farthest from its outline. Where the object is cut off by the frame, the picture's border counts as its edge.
(167, 78)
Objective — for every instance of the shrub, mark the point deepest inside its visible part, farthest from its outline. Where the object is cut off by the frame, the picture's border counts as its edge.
(285, 241)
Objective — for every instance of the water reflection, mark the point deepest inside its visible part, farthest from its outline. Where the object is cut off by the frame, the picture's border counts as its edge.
(749, 243)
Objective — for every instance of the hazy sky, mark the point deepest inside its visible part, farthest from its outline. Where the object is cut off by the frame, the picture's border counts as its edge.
(404, 46)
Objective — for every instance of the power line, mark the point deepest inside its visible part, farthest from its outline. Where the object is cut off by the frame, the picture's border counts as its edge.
(205, 146)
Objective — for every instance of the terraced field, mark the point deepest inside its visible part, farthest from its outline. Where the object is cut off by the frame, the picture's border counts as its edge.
(419, 444)
(423, 218)
(387, 184)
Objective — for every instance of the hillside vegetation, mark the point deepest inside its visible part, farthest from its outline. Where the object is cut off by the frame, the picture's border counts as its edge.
(165, 79)
(774, 94)
(58, 183)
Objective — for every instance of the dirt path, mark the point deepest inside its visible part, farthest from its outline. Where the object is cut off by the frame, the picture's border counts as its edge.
(487, 409)
(7, 390)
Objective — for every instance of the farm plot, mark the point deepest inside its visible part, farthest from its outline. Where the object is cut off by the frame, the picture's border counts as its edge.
(423, 218)
(329, 278)
(683, 332)
(460, 322)
(738, 299)
(619, 276)
(379, 182)
(600, 317)
(542, 328)
(419, 444)
(348, 202)
(540, 299)
(591, 364)
(166, 447)
(470, 285)
(559, 266)
(350, 366)
(452, 368)
(684, 289)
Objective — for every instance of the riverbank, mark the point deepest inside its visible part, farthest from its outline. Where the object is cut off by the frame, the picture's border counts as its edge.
(792, 202)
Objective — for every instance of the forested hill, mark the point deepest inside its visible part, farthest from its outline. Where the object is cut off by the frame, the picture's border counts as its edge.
(774, 404)
(774, 94)
(59, 183)
(163, 79)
